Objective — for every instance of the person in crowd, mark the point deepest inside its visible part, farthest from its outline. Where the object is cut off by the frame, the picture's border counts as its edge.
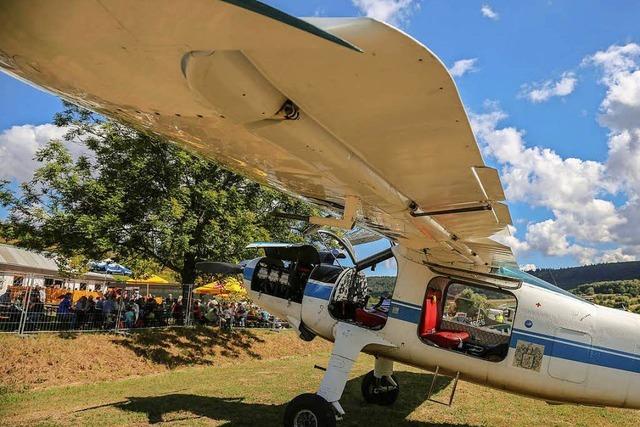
(211, 315)
(265, 317)
(177, 311)
(133, 304)
(142, 309)
(81, 311)
(150, 307)
(64, 313)
(241, 315)
(108, 309)
(42, 294)
(168, 302)
(90, 313)
(197, 312)
(65, 304)
(227, 316)
(36, 311)
(5, 298)
(129, 317)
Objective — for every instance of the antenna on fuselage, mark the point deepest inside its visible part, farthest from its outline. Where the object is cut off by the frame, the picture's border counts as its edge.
(553, 277)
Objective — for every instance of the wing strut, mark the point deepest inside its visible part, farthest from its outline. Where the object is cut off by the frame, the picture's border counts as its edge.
(349, 215)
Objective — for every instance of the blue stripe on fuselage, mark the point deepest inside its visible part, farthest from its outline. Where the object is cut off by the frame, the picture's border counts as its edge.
(405, 311)
(580, 352)
(555, 347)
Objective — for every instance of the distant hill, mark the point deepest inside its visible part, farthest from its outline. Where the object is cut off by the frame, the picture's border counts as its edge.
(566, 278)
(572, 277)
(380, 284)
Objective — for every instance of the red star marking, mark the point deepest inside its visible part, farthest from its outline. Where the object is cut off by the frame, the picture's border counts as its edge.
(538, 305)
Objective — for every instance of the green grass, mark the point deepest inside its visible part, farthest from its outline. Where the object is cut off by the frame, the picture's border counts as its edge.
(255, 392)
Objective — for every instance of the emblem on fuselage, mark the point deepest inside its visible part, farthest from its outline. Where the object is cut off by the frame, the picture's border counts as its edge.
(528, 356)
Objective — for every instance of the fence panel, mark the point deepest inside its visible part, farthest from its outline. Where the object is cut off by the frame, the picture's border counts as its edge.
(26, 306)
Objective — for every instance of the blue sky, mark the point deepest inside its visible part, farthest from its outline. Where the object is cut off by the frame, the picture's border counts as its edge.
(552, 89)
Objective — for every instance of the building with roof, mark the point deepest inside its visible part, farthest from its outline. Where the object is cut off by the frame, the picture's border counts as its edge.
(21, 267)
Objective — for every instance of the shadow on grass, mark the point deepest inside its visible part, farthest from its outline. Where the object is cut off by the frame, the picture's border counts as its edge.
(175, 347)
(237, 412)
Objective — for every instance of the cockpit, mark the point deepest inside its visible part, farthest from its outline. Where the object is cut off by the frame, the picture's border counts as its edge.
(353, 296)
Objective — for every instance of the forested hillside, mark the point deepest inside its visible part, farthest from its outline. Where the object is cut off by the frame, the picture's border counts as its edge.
(624, 294)
(572, 277)
(380, 284)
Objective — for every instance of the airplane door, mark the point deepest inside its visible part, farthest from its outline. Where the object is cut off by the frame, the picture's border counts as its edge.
(570, 346)
(317, 296)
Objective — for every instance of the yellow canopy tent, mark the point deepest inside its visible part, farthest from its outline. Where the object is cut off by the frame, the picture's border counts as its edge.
(212, 288)
(229, 287)
(151, 280)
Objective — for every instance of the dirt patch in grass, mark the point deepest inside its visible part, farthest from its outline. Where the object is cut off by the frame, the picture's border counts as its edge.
(48, 360)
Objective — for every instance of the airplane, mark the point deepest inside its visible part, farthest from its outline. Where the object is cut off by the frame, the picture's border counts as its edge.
(360, 119)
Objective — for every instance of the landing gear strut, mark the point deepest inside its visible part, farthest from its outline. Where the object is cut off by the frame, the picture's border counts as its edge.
(322, 409)
(380, 391)
(309, 410)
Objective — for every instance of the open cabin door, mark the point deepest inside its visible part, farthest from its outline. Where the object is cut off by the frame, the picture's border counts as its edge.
(281, 277)
(469, 312)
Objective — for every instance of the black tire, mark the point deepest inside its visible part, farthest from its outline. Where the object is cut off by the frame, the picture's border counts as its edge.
(379, 391)
(309, 410)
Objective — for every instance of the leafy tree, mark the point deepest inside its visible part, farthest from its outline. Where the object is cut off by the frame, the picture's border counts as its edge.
(470, 302)
(134, 196)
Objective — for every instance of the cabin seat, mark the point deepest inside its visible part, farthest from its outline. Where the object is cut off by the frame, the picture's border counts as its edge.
(370, 318)
(430, 325)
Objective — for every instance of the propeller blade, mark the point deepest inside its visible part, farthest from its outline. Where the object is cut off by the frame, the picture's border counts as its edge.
(219, 267)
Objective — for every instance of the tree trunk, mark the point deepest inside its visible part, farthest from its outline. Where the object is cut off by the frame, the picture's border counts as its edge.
(188, 276)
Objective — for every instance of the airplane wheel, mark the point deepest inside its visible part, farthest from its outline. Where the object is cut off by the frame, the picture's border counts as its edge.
(309, 410)
(379, 390)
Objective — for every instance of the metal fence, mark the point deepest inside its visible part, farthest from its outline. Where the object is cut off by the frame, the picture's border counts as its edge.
(28, 306)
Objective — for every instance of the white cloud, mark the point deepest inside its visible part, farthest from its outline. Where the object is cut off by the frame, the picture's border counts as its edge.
(550, 238)
(543, 91)
(487, 12)
(620, 109)
(508, 237)
(615, 255)
(395, 12)
(528, 267)
(463, 66)
(620, 112)
(18, 146)
(570, 188)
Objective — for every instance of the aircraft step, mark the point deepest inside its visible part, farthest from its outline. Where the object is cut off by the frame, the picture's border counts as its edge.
(434, 380)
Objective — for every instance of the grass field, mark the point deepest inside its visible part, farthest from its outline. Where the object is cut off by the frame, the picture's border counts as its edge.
(254, 391)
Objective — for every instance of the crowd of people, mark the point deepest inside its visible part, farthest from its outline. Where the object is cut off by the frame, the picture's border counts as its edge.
(229, 314)
(120, 309)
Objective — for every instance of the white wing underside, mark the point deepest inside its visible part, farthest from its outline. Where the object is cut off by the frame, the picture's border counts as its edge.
(383, 123)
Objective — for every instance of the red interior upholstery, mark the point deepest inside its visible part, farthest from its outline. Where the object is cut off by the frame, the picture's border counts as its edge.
(431, 314)
(448, 339)
(370, 319)
(431, 319)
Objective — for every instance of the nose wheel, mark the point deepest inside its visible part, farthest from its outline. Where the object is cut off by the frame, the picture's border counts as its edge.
(309, 410)
(380, 391)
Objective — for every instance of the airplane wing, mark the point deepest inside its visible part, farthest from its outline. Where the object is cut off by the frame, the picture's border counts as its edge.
(322, 108)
